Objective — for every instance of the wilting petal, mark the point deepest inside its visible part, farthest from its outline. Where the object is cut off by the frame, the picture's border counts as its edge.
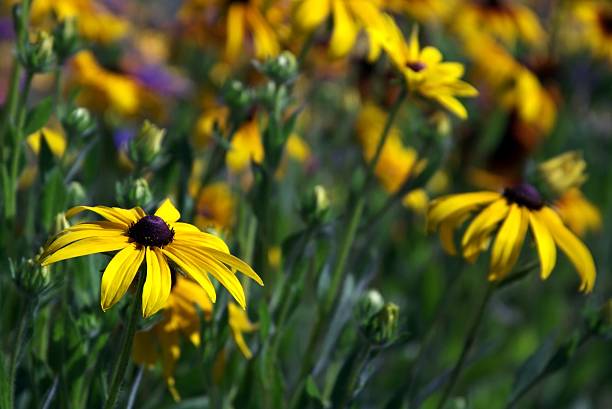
(119, 274)
(545, 244)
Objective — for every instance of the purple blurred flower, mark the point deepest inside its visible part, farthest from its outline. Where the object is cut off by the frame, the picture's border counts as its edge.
(6, 29)
(122, 137)
(159, 79)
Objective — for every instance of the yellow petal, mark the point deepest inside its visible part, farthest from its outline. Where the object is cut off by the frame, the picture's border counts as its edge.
(112, 214)
(509, 241)
(168, 212)
(447, 230)
(185, 227)
(413, 47)
(430, 56)
(344, 32)
(236, 264)
(144, 351)
(192, 271)
(157, 284)
(484, 223)
(545, 244)
(85, 247)
(264, 38)
(578, 254)
(119, 274)
(456, 205)
(201, 239)
(71, 235)
(452, 104)
(235, 31)
(309, 14)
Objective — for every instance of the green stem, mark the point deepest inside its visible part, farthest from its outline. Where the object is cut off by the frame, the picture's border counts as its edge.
(467, 346)
(126, 346)
(14, 360)
(8, 112)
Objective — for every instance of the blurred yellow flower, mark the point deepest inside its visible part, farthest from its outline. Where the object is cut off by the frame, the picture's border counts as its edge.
(516, 209)
(424, 10)
(95, 21)
(215, 207)
(239, 323)
(153, 239)
(578, 212)
(244, 19)
(506, 20)
(349, 18)
(590, 25)
(246, 146)
(564, 172)
(56, 141)
(297, 148)
(103, 89)
(180, 316)
(205, 125)
(423, 69)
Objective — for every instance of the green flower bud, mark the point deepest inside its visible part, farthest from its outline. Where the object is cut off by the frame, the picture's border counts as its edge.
(29, 276)
(66, 39)
(280, 69)
(147, 144)
(79, 122)
(315, 205)
(382, 327)
(76, 193)
(39, 56)
(132, 193)
(369, 305)
(236, 95)
(60, 223)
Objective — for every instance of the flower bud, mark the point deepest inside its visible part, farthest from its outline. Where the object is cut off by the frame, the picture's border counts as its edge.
(382, 327)
(564, 172)
(280, 69)
(236, 95)
(134, 193)
(66, 39)
(38, 56)
(76, 193)
(60, 223)
(79, 122)
(29, 276)
(315, 205)
(147, 144)
(369, 305)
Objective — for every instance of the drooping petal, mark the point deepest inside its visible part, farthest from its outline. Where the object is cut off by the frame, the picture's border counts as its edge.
(69, 236)
(236, 264)
(485, 222)
(456, 205)
(452, 104)
(119, 274)
(235, 30)
(344, 32)
(547, 251)
(201, 239)
(194, 271)
(168, 212)
(113, 214)
(157, 284)
(239, 323)
(85, 247)
(578, 254)
(509, 241)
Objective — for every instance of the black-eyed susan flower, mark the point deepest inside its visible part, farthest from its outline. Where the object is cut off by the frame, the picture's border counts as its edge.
(425, 72)
(349, 18)
(505, 20)
(508, 216)
(180, 317)
(589, 25)
(154, 239)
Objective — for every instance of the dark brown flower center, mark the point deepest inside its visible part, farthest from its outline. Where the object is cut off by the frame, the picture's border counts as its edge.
(524, 195)
(416, 66)
(151, 231)
(605, 21)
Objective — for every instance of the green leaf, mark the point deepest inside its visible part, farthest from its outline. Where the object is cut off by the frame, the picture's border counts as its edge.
(38, 116)
(264, 319)
(53, 198)
(533, 368)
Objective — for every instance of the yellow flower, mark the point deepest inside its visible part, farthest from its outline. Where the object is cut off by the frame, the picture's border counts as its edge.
(564, 172)
(592, 27)
(349, 18)
(215, 207)
(579, 214)
(516, 209)
(206, 123)
(397, 163)
(54, 139)
(94, 20)
(245, 18)
(505, 20)
(424, 10)
(297, 148)
(423, 69)
(103, 89)
(246, 146)
(180, 317)
(239, 323)
(154, 239)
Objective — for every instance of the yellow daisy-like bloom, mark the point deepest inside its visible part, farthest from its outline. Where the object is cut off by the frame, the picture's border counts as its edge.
(246, 146)
(506, 20)
(593, 27)
(154, 239)
(215, 207)
(246, 17)
(423, 69)
(516, 209)
(239, 323)
(162, 341)
(349, 18)
(578, 212)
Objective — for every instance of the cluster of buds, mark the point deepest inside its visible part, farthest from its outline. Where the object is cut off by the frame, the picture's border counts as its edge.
(378, 320)
(29, 276)
(38, 56)
(132, 193)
